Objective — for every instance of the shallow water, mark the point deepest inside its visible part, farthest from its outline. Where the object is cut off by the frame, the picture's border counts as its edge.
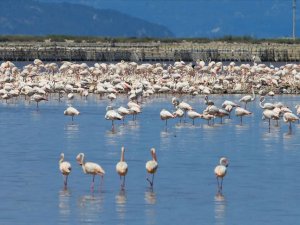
(261, 186)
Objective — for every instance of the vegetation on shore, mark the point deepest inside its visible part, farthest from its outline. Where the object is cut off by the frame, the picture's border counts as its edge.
(92, 39)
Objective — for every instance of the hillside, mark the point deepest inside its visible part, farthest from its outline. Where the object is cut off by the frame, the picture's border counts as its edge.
(30, 17)
(209, 18)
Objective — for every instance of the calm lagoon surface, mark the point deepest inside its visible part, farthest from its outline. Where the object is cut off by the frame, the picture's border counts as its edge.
(261, 186)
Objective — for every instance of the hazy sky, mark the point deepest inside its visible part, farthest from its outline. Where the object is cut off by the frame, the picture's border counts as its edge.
(192, 18)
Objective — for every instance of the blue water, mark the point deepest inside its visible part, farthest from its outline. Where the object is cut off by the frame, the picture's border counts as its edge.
(261, 186)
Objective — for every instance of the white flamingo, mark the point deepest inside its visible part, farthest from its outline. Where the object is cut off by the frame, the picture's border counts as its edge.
(123, 112)
(165, 115)
(193, 115)
(122, 168)
(37, 98)
(208, 117)
(248, 98)
(227, 102)
(270, 114)
(290, 118)
(266, 105)
(220, 172)
(241, 112)
(151, 166)
(134, 110)
(65, 168)
(71, 111)
(222, 113)
(90, 168)
(179, 113)
(113, 115)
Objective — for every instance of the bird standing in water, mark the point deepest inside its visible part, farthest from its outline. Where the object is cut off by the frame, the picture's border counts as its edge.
(220, 172)
(71, 111)
(151, 166)
(122, 168)
(90, 168)
(65, 168)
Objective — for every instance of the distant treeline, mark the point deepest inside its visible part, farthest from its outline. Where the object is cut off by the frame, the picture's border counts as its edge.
(92, 39)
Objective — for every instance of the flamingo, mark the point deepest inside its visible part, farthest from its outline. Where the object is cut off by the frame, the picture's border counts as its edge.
(229, 105)
(70, 96)
(241, 112)
(90, 168)
(134, 110)
(165, 115)
(151, 166)
(207, 117)
(37, 98)
(65, 168)
(271, 93)
(123, 112)
(248, 98)
(266, 105)
(122, 167)
(290, 118)
(111, 96)
(131, 104)
(193, 115)
(6, 97)
(221, 113)
(71, 111)
(113, 115)
(85, 94)
(178, 113)
(229, 108)
(212, 110)
(175, 101)
(220, 172)
(227, 102)
(185, 107)
(207, 101)
(270, 114)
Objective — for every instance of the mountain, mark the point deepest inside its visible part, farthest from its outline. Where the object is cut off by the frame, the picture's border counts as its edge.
(31, 17)
(209, 18)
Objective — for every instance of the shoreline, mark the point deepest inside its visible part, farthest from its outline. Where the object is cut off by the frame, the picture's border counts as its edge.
(149, 51)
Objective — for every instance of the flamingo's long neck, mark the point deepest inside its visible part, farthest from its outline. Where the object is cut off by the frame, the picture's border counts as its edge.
(122, 155)
(154, 156)
(260, 103)
(82, 163)
(61, 159)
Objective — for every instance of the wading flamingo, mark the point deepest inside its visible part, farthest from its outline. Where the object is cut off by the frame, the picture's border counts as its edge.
(193, 115)
(122, 168)
(248, 98)
(178, 113)
(241, 112)
(267, 105)
(65, 168)
(220, 172)
(113, 115)
(270, 114)
(151, 166)
(90, 168)
(71, 111)
(37, 98)
(165, 115)
(207, 101)
(290, 118)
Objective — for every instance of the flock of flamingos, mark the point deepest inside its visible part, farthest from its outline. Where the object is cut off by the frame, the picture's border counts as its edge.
(37, 80)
